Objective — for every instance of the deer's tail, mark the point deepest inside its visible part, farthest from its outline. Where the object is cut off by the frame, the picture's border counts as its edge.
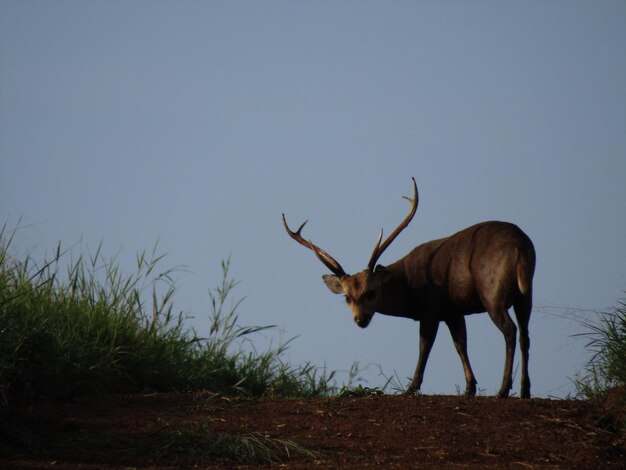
(526, 269)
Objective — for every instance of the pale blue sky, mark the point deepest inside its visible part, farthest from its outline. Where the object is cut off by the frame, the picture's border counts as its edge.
(198, 123)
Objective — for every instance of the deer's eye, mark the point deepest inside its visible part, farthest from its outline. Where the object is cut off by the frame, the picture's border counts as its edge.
(370, 295)
(348, 300)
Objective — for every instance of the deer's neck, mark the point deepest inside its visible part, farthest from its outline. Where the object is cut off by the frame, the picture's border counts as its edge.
(396, 294)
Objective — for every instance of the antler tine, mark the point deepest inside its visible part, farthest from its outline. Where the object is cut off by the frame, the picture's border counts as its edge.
(379, 249)
(376, 247)
(330, 262)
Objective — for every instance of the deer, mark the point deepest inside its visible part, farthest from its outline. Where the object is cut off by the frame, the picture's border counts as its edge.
(487, 267)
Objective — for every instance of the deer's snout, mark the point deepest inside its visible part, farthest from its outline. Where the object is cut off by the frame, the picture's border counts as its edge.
(362, 320)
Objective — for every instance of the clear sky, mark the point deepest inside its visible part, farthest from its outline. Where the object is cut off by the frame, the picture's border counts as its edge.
(197, 123)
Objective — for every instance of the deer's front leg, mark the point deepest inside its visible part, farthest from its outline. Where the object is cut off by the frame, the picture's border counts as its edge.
(428, 332)
(456, 324)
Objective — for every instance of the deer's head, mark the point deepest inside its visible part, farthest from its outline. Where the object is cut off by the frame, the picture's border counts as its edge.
(364, 291)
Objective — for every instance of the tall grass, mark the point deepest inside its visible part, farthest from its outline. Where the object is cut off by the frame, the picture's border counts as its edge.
(604, 381)
(606, 370)
(81, 326)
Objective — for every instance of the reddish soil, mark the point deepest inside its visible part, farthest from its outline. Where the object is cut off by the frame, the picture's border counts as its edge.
(114, 432)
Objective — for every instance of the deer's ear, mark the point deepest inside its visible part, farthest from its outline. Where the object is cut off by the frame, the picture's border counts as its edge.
(333, 283)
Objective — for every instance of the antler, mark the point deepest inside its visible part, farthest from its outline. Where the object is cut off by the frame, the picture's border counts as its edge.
(330, 262)
(379, 249)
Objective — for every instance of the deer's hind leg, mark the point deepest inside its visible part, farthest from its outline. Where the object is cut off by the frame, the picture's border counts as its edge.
(522, 309)
(500, 316)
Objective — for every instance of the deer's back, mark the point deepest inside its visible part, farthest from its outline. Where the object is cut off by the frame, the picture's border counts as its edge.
(466, 268)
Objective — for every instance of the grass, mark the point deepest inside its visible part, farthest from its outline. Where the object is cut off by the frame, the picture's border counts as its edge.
(606, 370)
(89, 330)
(202, 443)
(183, 447)
(604, 381)
(80, 326)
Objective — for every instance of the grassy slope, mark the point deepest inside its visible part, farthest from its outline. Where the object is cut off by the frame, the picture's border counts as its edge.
(82, 327)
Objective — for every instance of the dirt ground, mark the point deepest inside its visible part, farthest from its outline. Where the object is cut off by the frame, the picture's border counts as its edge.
(113, 432)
